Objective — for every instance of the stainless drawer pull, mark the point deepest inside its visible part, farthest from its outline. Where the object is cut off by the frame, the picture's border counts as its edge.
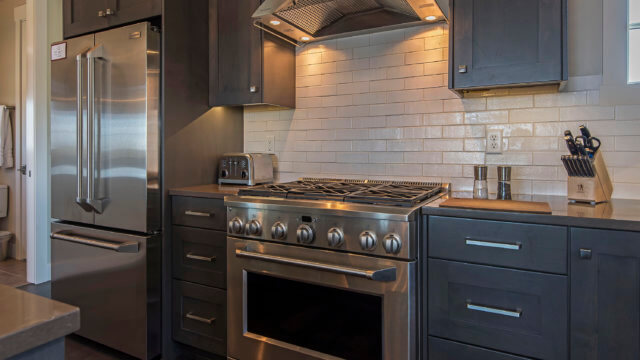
(200, 319)
(201, 258)
(384, 274)
(491, 310)
(491, 244)
(197, 213)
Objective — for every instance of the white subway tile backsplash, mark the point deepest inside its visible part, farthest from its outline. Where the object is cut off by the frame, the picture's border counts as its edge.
(582, 113)
(423, 157)
(510, 102)
(377, 106)
(534, 115)
(561, 99)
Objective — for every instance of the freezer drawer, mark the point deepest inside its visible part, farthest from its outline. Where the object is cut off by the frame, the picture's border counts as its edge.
(114, 278)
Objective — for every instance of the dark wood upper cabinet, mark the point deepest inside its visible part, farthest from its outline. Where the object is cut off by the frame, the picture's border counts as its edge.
(85, 16)
(247, 65)
(504, 43)
(605, 294)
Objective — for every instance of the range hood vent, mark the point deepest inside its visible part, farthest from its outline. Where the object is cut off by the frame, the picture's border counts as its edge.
(301, 21)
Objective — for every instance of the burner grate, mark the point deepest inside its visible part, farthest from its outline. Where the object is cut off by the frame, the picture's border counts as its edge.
(377, 192)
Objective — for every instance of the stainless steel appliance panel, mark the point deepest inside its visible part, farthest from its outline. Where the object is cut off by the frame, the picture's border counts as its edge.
(114, 278)
(68, 129)
(126, 128)
(393, 281)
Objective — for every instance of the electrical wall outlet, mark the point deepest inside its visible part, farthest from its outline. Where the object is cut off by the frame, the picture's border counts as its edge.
(494, 142)
(270, 144)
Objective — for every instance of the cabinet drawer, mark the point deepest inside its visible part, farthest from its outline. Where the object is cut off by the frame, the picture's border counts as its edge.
(521, 246)
(200, 256)
(440, 349)
(199, 212)
(200, 316)
(515, 311)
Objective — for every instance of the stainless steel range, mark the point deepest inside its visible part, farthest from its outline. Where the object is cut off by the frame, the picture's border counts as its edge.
(325, 269)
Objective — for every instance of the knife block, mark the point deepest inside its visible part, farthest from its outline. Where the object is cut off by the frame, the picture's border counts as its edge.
(591, 190)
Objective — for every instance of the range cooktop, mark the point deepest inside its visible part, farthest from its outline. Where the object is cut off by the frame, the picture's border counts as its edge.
(376, 192)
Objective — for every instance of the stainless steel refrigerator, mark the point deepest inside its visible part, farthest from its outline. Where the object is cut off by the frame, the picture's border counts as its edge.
(105, 190)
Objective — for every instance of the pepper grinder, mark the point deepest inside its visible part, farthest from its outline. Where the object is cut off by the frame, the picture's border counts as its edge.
(504, 182)
(480, 187)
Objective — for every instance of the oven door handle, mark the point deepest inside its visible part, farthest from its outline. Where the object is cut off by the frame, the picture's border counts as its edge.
(385, 274)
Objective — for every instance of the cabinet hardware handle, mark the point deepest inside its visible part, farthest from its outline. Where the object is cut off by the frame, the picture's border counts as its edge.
(197, 213)
(101, 13)
(110, 12)
(253, 89)
(200, 319)
(497, 311)
(492, 244)
(201, 258)
(585, 254)
(462, 69)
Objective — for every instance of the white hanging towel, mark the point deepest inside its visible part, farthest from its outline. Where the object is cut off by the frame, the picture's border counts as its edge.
(6, 138)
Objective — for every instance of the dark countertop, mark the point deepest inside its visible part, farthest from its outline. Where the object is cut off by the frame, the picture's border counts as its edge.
(211, 191)
(618, 214)
(28, 321)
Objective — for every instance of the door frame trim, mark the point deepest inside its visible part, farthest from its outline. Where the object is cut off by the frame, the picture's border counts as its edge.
(19, 17)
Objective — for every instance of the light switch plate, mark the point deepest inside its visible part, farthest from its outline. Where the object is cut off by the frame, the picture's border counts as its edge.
(494, 142)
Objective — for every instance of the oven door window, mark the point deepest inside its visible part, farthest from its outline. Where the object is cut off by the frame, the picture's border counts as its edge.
(331, 321)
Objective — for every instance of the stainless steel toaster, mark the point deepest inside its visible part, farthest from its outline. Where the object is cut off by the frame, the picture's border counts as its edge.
(245, 168)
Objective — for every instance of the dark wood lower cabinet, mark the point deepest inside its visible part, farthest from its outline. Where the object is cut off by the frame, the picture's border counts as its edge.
(200, 316)
(605, 295)
(440, 349)
(514, 311)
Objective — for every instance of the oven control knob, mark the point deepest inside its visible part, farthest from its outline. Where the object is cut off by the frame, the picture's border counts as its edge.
(236, 225)
(392, 243)
(305, 234)
(224, 173)
(368, 240)
(279, 231)
(335, 237)
(254, 228)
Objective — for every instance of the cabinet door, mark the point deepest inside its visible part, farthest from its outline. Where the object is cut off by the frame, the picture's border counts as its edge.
(500, 42)
(605, 294)
(235, 53)
(82, 16)
(126, 11)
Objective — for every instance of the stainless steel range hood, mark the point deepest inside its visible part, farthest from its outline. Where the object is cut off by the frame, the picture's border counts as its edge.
(302, 21)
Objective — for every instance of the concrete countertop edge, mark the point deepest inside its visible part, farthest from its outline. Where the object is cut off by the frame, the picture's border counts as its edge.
(543, 219)
(40, 333)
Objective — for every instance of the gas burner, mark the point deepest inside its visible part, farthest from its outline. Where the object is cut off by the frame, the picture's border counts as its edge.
(389, 193)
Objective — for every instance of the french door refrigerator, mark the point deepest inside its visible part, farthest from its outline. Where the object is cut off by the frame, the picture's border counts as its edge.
(105, 191)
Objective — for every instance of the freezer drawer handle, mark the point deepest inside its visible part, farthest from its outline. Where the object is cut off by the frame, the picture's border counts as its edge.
(386, 274)
(512, 313)
(201, 258)
(492, 244)
(124, 247)
(200, 319)
(197, 213)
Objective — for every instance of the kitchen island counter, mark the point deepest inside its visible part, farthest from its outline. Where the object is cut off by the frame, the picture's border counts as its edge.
(618, 214)
(32, 326)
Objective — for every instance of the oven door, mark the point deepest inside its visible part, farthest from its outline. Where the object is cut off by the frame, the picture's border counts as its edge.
(290, 302)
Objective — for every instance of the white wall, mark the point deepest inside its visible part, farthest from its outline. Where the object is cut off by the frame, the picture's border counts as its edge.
(377, 106)
(7, 95)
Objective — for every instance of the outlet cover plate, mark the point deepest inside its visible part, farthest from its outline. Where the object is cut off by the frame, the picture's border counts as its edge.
(270, 144)
(494, 142)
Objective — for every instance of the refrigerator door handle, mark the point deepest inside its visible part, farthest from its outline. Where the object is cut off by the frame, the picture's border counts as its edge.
(79, 128)
(124, 247)
(96, 52)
